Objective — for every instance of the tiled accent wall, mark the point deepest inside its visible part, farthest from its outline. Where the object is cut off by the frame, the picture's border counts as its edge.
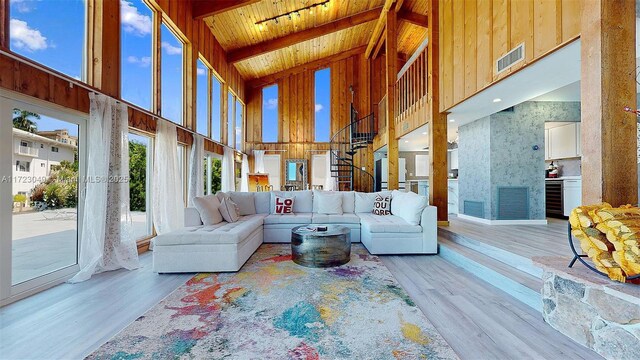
(499, 151)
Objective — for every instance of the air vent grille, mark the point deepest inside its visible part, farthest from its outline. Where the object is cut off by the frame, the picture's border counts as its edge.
(513, 203)
(474, 208)
(510, 58)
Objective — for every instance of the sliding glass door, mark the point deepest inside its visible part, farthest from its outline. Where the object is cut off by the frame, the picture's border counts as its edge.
(41, 162)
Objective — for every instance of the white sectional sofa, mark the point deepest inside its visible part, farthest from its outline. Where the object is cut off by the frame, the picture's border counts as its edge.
(411, 229)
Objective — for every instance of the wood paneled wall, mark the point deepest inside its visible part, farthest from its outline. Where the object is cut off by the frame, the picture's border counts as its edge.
(474, 34)
(296, 108)
(24, 78)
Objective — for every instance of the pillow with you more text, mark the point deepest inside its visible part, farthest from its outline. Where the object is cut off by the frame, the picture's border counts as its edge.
(283, 205)
(382, 205)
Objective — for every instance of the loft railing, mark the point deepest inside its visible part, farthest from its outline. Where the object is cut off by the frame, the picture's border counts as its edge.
(410, 96)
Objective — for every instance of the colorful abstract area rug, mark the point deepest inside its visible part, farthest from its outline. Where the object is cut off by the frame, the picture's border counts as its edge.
(275, 309)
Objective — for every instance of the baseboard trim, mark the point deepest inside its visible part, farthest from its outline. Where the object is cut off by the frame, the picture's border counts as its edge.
(443, 223)
(502, 222)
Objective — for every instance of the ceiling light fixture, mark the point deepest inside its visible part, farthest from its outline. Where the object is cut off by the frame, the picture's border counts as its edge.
(452, 120)
(424, 133)
(497, 100)
(406, 141)
(324, 4)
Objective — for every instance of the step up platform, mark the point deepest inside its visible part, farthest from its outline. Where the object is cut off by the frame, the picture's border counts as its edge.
(511, 273)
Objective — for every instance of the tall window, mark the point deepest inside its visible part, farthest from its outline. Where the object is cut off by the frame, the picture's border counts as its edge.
(171, 75)
(270, 114)
(230, 118)
(216, 99)
(140, 168)
(136, 53)
(202, 98)
(323, 105)
(239, 123)
(50, 33)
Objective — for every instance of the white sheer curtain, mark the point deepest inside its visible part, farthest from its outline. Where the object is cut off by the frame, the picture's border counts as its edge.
(196, 169)
(244, 172)
(107, 242)
(227, 181)
(258, 165)
(330, 181)
(168, 206)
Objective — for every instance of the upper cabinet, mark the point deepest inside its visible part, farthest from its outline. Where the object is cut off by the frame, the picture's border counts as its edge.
(562, 141)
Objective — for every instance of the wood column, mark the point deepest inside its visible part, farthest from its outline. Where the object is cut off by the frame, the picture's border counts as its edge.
(608, 134)
(438, 187)
(4, 24)
(392, 73)
(103, 48)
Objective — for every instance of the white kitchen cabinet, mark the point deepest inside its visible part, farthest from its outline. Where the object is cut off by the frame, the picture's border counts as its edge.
(453, 196)
(453, 159)
(547, 145)
(563, 142)
(571, 195)
(578, 140)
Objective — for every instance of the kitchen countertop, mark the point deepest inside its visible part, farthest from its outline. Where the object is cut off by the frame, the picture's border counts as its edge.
(566, 178)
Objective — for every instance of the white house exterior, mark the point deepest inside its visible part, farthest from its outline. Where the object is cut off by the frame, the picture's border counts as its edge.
(33, 158)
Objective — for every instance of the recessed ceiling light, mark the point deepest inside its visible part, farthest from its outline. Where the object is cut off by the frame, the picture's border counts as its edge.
(424, 133)
(406, 141)
(452, 120)
(497, 100)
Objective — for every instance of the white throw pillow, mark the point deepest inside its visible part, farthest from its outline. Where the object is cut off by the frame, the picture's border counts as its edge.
(382, 205)
(364, 201)
(229, 211)
(408, 206)
(329, 203)
(208, 207)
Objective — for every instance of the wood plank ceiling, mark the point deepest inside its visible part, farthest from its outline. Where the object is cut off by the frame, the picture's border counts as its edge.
(299, 40)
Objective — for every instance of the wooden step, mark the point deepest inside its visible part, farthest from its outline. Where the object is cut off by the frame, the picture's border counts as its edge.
(521, 285)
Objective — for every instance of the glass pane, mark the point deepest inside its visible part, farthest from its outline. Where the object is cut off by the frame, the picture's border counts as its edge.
(136, 55)
(202, 99)
(216, 98)
(323, 105)
(230, 117)
(171, 76)
(239, 117)
(45, 189)
(139, 186)
(270, 114)
(50, 34)
(216, 175)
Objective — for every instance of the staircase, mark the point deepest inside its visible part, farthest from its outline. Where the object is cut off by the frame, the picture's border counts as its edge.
(344, 146)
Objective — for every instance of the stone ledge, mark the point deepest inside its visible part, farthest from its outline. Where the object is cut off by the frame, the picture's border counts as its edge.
(591, 309)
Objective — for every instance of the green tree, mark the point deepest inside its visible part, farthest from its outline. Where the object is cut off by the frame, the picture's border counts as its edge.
(22, 120)
(137, 176)
(216, 184)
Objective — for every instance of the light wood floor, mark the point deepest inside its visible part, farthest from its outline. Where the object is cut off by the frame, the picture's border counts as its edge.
(478, 321)
(523, 240)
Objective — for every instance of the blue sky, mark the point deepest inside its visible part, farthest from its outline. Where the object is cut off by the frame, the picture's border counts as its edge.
(322, 108)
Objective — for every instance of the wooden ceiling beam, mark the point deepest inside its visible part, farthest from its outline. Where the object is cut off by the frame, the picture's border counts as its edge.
(377, 31)
(380, 43)
(279, 43)
(414, 18)
(205, 8)
(314, 65)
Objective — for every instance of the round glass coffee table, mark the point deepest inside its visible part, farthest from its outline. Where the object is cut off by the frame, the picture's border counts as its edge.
(321, 248)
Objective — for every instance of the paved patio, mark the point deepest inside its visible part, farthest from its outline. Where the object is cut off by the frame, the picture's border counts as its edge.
(44, 242)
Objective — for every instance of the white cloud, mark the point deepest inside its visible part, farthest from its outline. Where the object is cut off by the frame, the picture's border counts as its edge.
(170, 49)
(22, 6)
(133, 21)
(319, 107)
(25, 37)
(201, 71)
(271, 104)
(144, 61)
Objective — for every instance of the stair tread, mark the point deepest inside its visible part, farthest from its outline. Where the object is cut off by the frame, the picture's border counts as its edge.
(509, 271)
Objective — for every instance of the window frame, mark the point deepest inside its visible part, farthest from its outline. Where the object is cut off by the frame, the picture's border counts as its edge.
(277, 140)
(151, 232)
(216, 77)
(166, 21)
(208, 75)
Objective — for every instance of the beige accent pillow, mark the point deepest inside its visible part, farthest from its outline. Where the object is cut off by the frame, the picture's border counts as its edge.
(229, 211)
(208, 207)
